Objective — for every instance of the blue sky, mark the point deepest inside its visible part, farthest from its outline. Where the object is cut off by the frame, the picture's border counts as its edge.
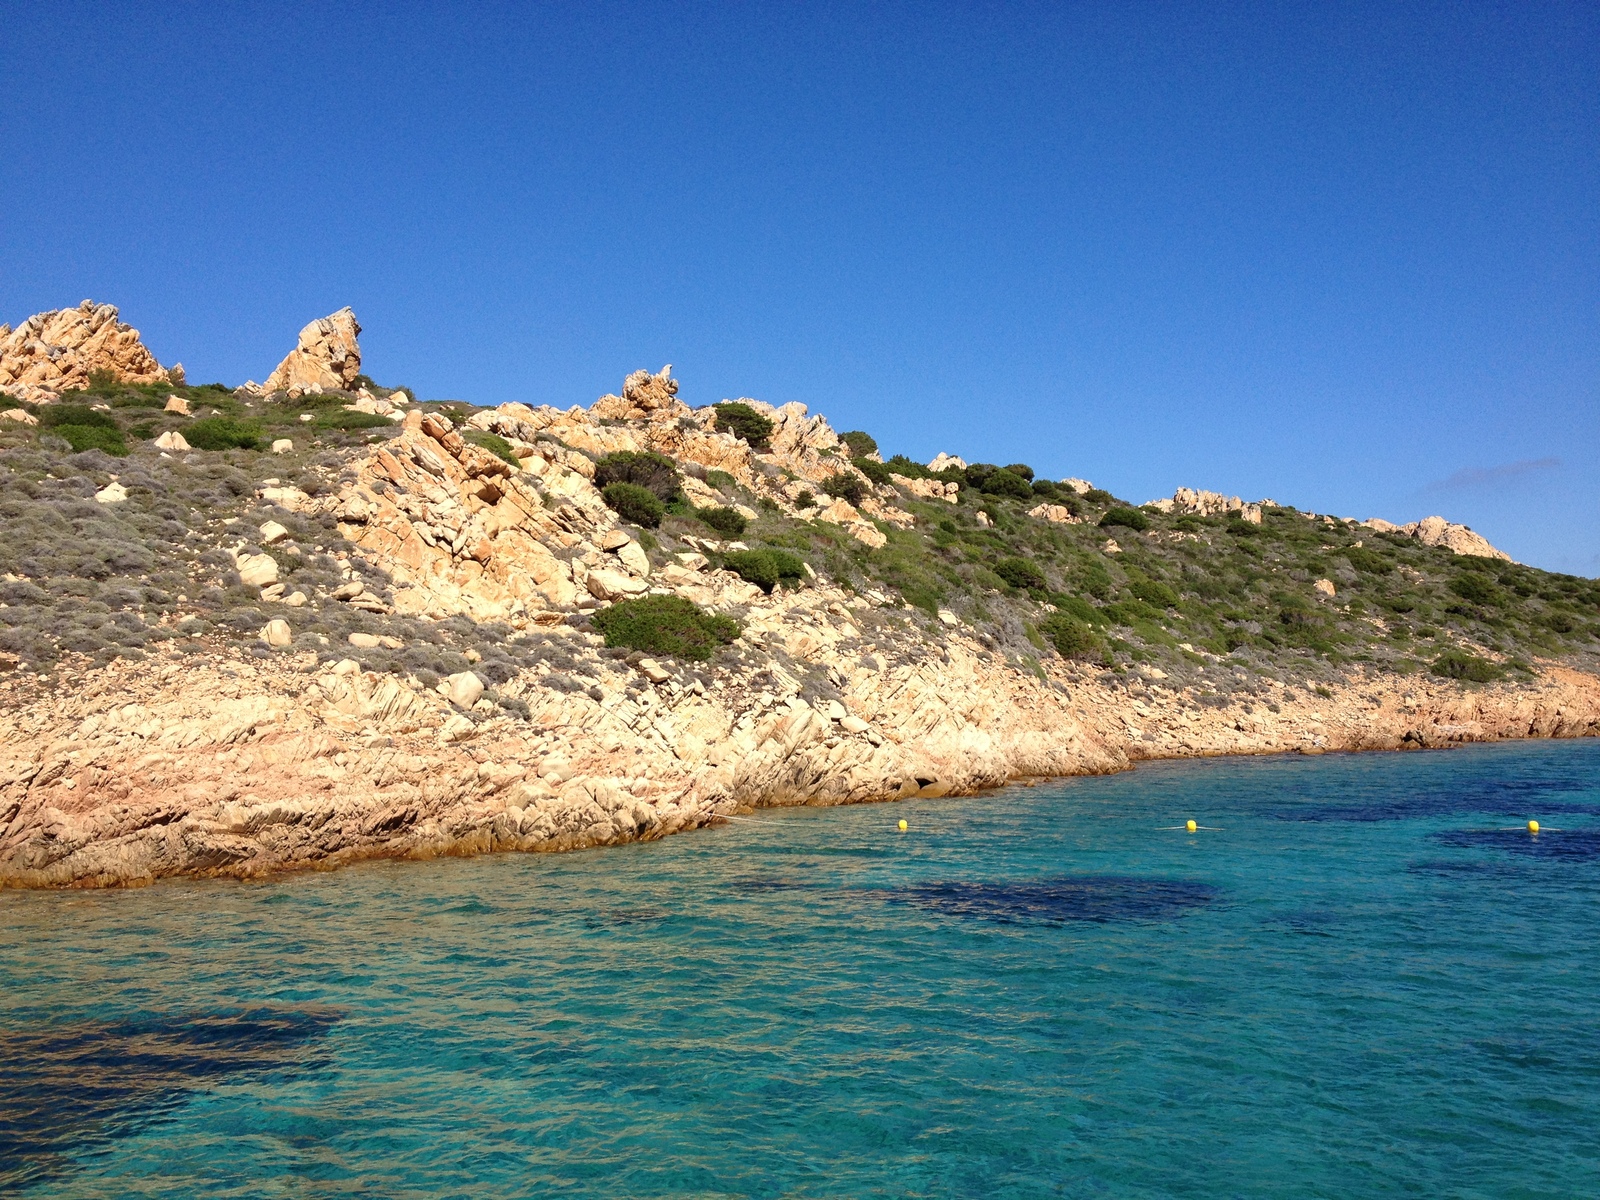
(1344, 255)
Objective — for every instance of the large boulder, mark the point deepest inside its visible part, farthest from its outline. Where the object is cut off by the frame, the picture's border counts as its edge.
(1436, 531)
(644, 397)
(55, 352)
(326, 358)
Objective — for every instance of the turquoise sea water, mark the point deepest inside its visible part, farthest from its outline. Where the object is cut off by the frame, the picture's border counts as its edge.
(1366, 980)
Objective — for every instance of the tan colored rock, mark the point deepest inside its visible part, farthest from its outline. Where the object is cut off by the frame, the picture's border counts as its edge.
(614, 539)
(177, 404)
(272, 533)
(112, 493)
(653, 671)
(282, 445)
(276, 632)
(853, 725)
(941, 461)
(172, 440)
(635, 559)
(327, 357)
(605, 584)
(1111, 546)
(19, 415)
(1436, 531)
(257, 570)
(929, 489)
(1081, 486)
(55, 352)
(644, 397)
(296, 599)
(1056, 513)
(1208, 504)
(364, 641)
(1324, 587)
(464, 689)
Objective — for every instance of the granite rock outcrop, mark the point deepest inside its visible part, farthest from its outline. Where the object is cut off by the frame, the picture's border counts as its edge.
(55, 352)
(327, 358)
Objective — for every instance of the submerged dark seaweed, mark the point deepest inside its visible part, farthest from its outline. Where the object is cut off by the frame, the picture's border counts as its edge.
(1569, 845)
(1496, 797)
(1056, 901)
(68, 1085)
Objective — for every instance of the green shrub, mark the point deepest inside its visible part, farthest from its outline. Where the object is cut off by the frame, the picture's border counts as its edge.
(845, 486)
(728, 522)
(53, 416)
(861, 444)
(1074, 606)
(1020, 573)
(872, 469)
(1153, 592)
(1474, 588)
(976, 473)
(901, 465)
(635, 504)
(1457, 664)
(494, 444)
(1021, 470)
(644, 469)
(1071, 637)
(84, 428)
(224, 433)
(721, 479)
(93, 437)
(765, 567)
(1099, 496)
(805, 499)
(1128, 518)
(744, 422)
(666, 625)
(1006, 482)
(351, 419)
(1368, 561)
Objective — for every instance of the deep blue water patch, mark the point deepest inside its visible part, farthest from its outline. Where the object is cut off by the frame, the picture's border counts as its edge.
(1056, 901)
(75, 1083)
(1564, 845)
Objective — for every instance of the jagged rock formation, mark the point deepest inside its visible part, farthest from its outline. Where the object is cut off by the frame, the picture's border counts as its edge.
(327, 357)
(55, 352)
(1208, 504)
(1436, 531)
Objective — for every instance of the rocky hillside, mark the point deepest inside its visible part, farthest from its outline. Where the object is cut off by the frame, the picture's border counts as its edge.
(316, 620)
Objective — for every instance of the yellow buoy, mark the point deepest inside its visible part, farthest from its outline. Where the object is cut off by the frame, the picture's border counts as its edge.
(1191, 826)
(903, 825)
(1533, 827)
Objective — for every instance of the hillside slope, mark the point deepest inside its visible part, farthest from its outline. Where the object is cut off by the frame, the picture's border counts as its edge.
(254, 631)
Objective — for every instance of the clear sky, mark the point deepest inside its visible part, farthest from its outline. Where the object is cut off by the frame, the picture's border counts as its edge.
(1343, 255)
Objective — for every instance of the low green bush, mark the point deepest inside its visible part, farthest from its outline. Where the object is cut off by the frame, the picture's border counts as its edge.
(351, 419)
(666, 625)
(1368, 561)
(1072, 638)
(1020, 572)
(1475, 588)
(903, 466)
(721, 479)
(872, 469)
(1021, 470)
(845, 486)
(1153, 592)
(728, 522)
(1006, 482)
(1099, 496)
(861, 444)
(765, 567)
(805, 499)
(635, 504)
(744, 422)
(1458, 664)
(494, 444)
(224, 433)
(1128, 518)
(644, 469)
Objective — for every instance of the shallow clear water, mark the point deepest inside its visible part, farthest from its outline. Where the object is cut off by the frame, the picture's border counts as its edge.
(1367, 980)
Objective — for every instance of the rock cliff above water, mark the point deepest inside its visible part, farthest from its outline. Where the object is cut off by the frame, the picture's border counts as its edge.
(383, 638)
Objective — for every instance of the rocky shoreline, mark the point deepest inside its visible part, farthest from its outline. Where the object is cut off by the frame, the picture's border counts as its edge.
(234, 767)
